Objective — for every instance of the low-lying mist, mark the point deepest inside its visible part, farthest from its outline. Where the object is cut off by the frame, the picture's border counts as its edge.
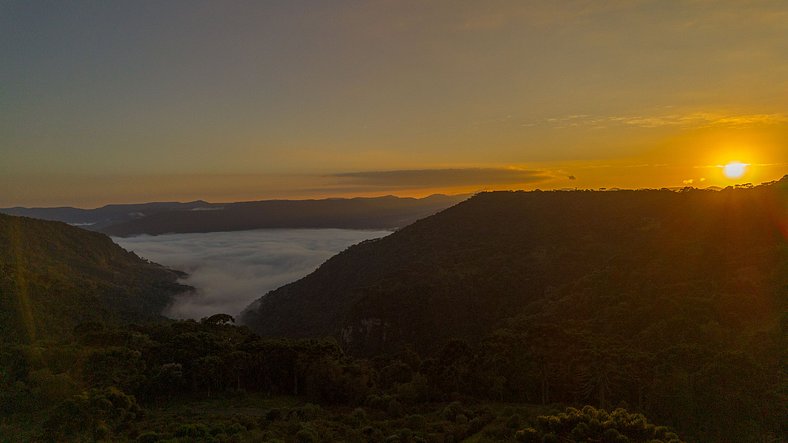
(232, 269)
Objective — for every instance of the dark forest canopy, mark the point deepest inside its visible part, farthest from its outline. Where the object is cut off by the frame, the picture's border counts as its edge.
(54, 276)
(674, 302)
(212, 381)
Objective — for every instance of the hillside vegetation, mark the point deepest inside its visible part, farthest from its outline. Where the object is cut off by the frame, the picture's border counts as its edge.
(673, 302)
(210, 381)
(459, 273)
(54, 276)
(537, 317)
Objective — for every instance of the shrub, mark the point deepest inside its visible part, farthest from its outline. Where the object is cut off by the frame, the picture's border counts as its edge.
(514, 421)
(274, 414)
(580, 432)
(149, 437)
(309, 412)
(405, 434)
(528, 435)
(306, 435)
(358, 417)
(476, 425)
(611, 436)
(416, 421)
(192, 430)
(451, 411)
(550, 438)
(394, 409)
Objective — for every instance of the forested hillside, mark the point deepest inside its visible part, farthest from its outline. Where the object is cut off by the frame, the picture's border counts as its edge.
(54, 276)
(459, 273)
(671, 301)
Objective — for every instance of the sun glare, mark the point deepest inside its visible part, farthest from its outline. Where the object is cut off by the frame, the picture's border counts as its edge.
(734, 170)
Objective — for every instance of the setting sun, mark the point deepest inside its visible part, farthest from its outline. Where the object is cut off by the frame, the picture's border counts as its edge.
(734, 170)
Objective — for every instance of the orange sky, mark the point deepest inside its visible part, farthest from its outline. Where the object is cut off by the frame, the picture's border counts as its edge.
(117, 102)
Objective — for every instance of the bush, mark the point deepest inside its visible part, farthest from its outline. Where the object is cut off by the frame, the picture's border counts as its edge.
(451, 411)
(372, 433)
(306, 435)
(405, 434)
(580, 432)
(149, 437)
(192, 430)
(357, 417)
(394, 409)
(514, 421)
(550, 438)
(476, 425)
(274, 414)
(416, 421)
(528, 435)
(233, 429)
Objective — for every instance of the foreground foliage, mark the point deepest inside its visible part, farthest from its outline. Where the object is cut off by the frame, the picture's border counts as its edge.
(213, 381)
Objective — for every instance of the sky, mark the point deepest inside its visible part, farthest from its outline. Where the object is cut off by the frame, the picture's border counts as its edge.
(230, 270)
(119, 102)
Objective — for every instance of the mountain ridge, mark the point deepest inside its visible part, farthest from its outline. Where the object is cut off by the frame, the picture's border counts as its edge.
(123, 220)
(467, 268)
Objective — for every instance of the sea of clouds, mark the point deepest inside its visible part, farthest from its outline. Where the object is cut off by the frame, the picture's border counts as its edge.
(232, 269)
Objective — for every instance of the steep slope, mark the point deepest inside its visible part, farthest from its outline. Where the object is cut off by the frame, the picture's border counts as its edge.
(459, 273)
(355, 213)
(54, 276)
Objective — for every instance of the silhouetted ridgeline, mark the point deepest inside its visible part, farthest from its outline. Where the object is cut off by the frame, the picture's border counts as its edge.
(54, 276)
(356, 213)
(171, 217)
(98, 218)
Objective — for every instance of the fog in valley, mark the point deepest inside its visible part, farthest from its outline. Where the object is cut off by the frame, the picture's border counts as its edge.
(232, 269)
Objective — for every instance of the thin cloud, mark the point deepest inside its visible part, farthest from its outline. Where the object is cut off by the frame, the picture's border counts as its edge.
(230, 270)
(442, 178)
(695, 119)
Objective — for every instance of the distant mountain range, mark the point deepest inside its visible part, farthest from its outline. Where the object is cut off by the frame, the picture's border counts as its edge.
(172, 217)
(96, 219)
(54, 276)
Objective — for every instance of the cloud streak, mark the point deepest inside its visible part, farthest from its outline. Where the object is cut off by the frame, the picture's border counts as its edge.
(689, 120)
(232, 269)
(442, 178)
